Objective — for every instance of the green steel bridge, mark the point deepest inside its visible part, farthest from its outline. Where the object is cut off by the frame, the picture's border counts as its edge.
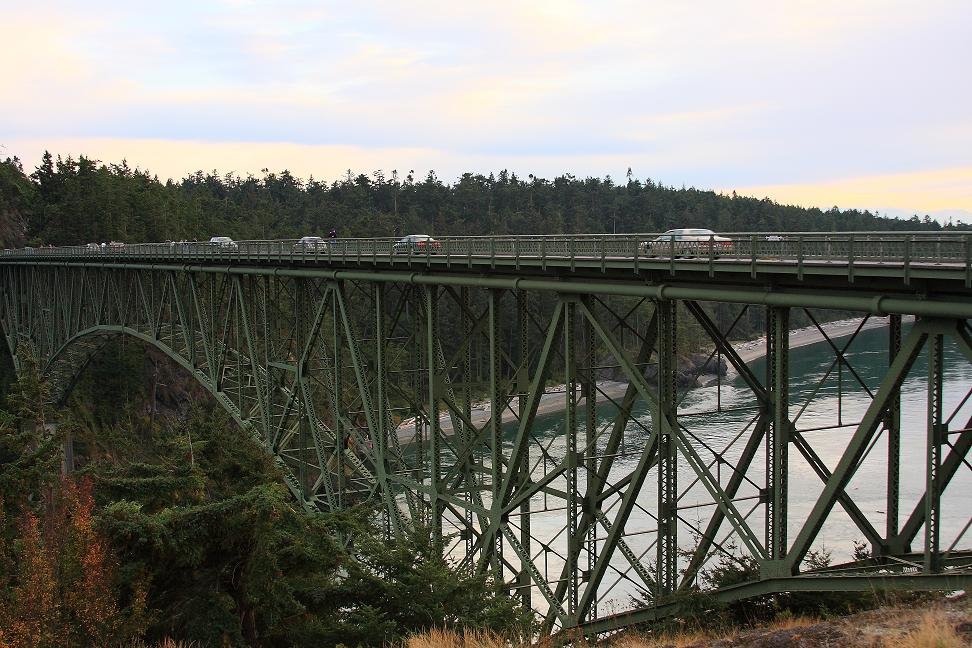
(412, 378)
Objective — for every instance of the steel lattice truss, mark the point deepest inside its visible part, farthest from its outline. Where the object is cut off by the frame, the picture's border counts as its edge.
(424, 397)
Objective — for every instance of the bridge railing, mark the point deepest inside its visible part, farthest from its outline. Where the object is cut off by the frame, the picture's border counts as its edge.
(843, 247)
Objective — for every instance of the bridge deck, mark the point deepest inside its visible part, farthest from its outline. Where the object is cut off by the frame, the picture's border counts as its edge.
(854, 271)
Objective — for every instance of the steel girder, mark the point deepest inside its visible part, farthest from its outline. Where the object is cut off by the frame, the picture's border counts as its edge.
(478, 410)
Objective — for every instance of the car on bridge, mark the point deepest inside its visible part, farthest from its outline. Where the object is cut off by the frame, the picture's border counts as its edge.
(224, 243)
(688, 242)
(416, 244)
(311, 244)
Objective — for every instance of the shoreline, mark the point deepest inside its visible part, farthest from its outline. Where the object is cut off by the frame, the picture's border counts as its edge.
(755, 349)
(554, 399)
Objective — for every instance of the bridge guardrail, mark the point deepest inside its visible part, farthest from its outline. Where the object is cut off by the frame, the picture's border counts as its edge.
(803, 247)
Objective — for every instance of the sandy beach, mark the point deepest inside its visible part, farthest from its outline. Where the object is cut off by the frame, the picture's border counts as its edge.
(554, 399)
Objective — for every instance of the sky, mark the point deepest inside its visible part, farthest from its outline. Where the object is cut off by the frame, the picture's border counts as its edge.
(855, 103)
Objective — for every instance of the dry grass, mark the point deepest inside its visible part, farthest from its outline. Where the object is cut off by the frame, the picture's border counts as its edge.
(791, 622)
(450, 639)
(689, 639)
(676, 640)
(935, 630)
(897, 626)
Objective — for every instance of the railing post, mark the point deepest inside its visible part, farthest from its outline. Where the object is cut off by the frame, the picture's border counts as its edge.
(850, 258)
(800, 256)
(671, 257)
(968, 261)
(907, 260)
(752, 254)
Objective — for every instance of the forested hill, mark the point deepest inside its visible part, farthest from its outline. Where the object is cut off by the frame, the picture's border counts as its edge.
(71, 201)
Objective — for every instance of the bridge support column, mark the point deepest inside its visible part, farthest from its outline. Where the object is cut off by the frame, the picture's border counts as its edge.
(936, 435)
(417, 357)
(570, 424)
(393, 522)
(435, 436)
(340, 432)
(523, 385)
(496, 433)
(301, 335)
(666, 423)
(893, 427)
(590, 462)
(465, 322)
(777, 437)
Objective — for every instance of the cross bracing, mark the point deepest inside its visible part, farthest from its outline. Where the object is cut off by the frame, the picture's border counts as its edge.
(417, 384)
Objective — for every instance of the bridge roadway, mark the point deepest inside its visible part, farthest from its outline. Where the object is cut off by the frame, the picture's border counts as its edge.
(840, 269)
(324, 355)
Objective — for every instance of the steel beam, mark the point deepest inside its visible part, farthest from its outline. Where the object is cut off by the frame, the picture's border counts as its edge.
(666, 424)
(777, 437)
(863, 301)
(300, 357)
(935, 436)
(892, 426)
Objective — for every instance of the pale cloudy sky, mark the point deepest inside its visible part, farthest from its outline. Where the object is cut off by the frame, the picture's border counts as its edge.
(857, 103)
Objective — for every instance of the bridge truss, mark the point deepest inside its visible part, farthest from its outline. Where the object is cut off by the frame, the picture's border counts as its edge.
(421, 389)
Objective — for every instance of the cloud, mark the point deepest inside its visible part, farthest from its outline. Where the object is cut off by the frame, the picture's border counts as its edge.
(749, 93)
(177, 158)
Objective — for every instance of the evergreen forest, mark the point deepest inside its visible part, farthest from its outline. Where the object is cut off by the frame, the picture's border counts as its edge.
(66, 201)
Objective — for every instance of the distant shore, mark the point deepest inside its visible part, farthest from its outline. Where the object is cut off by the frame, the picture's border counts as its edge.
(755, 349)
(554, 400)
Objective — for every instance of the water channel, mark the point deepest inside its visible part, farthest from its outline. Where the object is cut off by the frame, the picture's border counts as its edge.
(825, 406)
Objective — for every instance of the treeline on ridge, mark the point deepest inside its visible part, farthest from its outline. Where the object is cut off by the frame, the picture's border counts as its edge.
(68, 201)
